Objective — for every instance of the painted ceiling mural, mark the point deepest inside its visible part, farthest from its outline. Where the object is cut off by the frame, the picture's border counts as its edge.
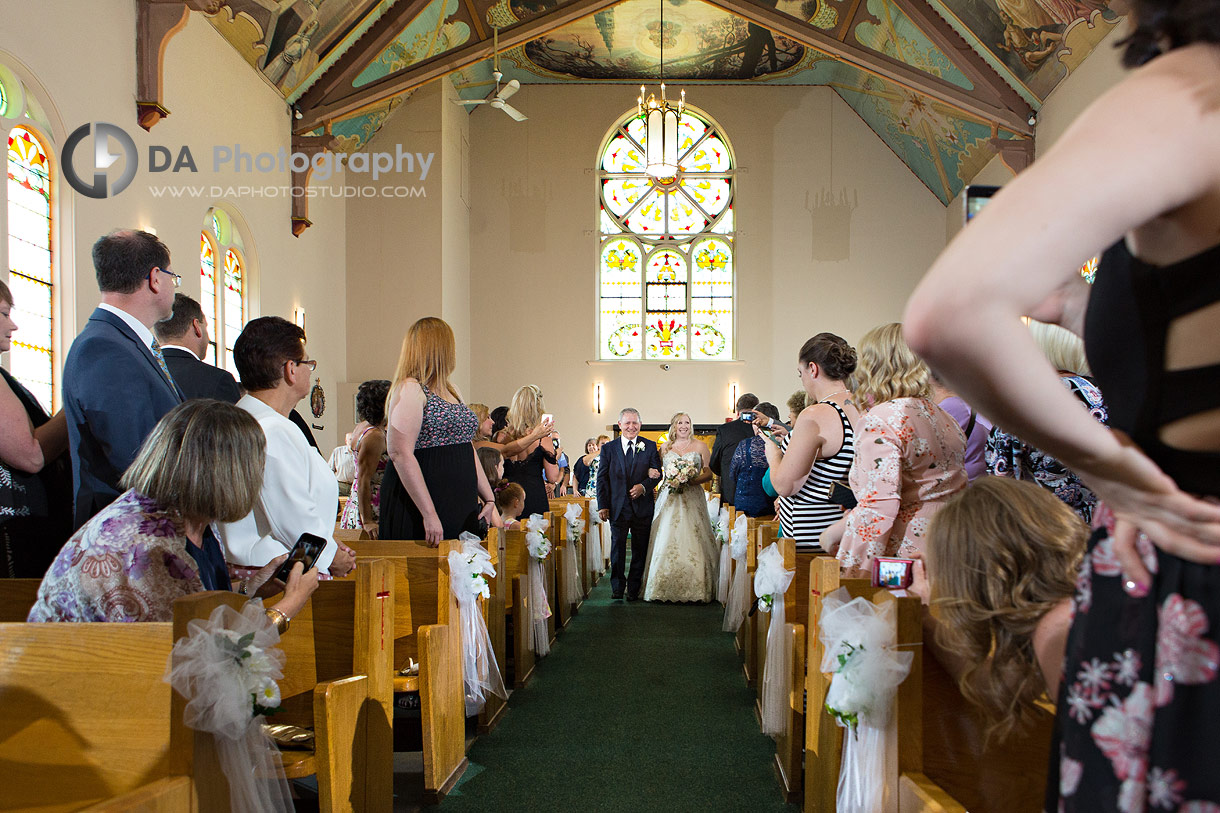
(1031, 45)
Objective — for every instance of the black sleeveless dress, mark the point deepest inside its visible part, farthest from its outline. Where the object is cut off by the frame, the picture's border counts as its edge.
(528, 474)
(35, 509)
(445, 454)
(1139, 707)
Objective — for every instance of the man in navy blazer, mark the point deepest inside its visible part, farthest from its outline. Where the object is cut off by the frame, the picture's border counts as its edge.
(184, 341)
(628, 471)
(116, 384)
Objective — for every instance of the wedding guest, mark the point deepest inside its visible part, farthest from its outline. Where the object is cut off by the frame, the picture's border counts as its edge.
(299, 493)
(1150, 333)
(1009, 456)
(342, 461)
(116, 382)
(184, 343)
(499, 420)
(974, 426)
(155, 543)
(809, 468)
(594, 466)
(796, 404)
(493, 465)
(483, 437)
(908, 455)
(728, 435)
(536, 465)
(1001, 561)
(510, 502)
(747, 468)
(580, 469)
(35, 477)
(363, 510)
(432, 490)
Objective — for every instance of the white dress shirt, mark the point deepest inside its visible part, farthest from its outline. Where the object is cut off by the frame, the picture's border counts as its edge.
(165, 347)
(135, 324)
(627, 445)
(300, 495)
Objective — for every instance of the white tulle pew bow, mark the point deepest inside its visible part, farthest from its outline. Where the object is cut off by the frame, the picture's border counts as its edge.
(721, 524)
(573, 592)
(771, 581)
(739, 592)
(469, 569)
(539, 548)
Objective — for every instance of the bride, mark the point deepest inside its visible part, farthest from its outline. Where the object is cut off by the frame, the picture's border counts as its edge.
(682, 551)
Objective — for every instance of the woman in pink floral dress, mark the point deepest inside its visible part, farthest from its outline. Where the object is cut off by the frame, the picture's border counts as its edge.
(909, 454)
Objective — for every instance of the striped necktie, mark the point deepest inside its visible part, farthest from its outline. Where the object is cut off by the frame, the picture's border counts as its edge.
(160, 357)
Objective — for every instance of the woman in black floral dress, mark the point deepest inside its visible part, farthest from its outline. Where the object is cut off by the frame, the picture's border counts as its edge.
(1139, 705)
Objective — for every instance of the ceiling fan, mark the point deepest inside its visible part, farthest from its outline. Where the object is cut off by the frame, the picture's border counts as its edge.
(499, 97)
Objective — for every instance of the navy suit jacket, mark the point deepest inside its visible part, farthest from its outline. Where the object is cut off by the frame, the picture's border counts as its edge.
(198, 379)
(114, 394)
(617, 473)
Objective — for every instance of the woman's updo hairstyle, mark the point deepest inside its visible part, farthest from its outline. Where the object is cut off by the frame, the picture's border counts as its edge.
(1162, 25)
(832, 353)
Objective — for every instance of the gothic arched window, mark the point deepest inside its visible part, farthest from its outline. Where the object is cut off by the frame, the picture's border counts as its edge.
(666, 258)
(223, 294)
(30, 262)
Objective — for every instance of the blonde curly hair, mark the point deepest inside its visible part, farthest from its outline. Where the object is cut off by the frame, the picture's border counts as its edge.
(888, 369)
(525, 412)
(672, 435)
(1000, 556)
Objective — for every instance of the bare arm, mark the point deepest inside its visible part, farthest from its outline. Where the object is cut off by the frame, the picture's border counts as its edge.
(706, 455)
(19, 446)
(790, 469)
(406, 417)
(53, 436)
(367, 458)
(1164, 134)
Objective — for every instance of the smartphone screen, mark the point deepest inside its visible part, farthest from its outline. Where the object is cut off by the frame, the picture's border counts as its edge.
(306, 551)
(747, 416)
(892, 574)
(977, 196)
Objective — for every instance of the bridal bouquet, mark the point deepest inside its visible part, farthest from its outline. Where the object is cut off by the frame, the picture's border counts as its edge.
(678, 472)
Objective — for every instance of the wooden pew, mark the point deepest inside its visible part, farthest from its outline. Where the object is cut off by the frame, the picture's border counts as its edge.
(518, 604)
(494, 613)
(790, 747)
(425, 628)
(17, 597)
(85, 718)
(350, 535)
(764, 532)
(747, 635)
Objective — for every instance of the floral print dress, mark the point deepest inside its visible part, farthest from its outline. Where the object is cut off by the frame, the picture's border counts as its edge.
(350, 519)
(909, 459)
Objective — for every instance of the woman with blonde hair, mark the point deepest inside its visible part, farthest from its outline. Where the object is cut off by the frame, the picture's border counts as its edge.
(432, 490)
(539, 457)
(909, 454)
(155, 543)
(682, 550)
(1001, 561)
(482, 437)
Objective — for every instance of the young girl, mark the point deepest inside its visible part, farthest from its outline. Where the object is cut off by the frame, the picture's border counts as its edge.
(510, 502)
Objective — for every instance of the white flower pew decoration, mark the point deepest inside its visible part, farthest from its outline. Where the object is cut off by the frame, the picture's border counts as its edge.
(859, 651)
(539, 548)
(469, 569)
(739, 593)
(771, 581)
(226, 668)
(573, 515)
(721, 524)
(594, 558)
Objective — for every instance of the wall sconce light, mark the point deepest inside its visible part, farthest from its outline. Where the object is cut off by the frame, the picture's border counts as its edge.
(298, 317)
(732, 396)
(597, 397)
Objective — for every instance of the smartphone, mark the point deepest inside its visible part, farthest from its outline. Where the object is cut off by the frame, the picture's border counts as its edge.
(893, 574)
(548, 418)
(747, 416)
(306, 551)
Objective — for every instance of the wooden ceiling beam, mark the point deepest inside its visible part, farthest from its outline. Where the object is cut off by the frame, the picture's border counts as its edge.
(968, 61)
(315, 111)
(888, 68)
(363, 51)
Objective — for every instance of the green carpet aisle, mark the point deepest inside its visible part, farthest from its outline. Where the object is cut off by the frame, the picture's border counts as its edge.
(639, 707)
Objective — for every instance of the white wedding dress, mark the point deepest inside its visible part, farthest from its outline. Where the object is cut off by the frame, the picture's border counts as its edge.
(683, 554)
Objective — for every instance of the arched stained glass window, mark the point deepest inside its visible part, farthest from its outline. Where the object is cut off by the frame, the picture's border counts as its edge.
(30, 264)
(207, 290)
(665, 265)
(224, 297)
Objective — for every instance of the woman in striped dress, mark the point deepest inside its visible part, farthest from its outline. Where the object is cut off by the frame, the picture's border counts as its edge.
(820, 448)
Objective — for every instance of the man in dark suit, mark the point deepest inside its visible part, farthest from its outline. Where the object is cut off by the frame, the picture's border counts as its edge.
(116, 383)
(628, 471)
(727, 438)
(184, 341)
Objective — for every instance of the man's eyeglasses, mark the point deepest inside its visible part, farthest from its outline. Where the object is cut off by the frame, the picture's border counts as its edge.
(312, 364)
(176, 277)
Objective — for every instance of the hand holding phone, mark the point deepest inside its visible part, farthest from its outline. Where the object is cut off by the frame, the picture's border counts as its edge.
(747, 416)
(892, 573)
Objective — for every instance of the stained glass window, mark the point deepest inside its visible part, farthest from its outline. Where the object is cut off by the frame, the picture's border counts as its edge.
(666, 270)
(207, 290)
(32, 358)
(223, 289)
